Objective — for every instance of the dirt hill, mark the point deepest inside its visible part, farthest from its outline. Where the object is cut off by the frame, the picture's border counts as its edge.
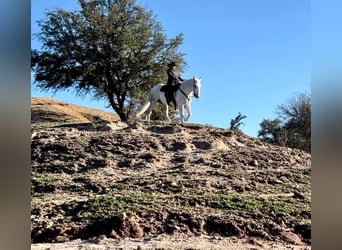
(156, 185)
(49, 111)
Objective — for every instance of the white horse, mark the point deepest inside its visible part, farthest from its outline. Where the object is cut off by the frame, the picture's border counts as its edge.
(183, 98)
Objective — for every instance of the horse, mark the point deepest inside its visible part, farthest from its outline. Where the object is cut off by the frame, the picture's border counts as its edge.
(183, 98)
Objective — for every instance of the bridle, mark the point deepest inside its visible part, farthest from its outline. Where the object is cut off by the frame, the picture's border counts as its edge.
(193, 84)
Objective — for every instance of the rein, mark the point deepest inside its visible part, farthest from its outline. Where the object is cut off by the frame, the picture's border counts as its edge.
(184, 94)
(187, 97)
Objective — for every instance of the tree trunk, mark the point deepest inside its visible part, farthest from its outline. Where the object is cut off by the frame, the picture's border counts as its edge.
(123, 116)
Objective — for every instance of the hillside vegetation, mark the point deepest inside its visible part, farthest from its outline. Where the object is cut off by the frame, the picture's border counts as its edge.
(95, 178)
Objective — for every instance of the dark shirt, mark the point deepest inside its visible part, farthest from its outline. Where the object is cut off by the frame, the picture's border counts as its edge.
(173, 78)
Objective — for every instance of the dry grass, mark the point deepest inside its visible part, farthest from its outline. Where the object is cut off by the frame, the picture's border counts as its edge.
(50, 110)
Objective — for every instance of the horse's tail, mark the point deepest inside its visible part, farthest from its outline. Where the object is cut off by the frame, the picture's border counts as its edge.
(152, 98)
(143, 109)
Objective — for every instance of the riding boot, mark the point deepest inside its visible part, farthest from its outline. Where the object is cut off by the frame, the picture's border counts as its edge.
(174, 100)
(168, 97)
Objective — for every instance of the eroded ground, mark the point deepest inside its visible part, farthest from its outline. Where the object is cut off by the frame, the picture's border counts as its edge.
(113, 181)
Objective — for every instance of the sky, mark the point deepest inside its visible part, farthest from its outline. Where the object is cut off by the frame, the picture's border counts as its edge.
(252, 55)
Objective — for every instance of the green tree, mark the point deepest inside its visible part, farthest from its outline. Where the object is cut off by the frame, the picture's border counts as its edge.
(272, 132)
(113, 50)
(296, 116)
(292, 128)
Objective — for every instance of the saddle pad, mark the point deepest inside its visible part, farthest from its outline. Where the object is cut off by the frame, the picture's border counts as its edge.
(163, 88)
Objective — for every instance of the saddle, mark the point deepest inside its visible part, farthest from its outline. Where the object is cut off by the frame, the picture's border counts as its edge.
(164, 88)
(170, 93)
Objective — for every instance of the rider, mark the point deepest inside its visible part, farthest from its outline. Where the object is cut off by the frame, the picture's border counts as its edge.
(173, 82)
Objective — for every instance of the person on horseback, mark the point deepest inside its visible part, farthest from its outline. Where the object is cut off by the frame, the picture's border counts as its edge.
(173, 82)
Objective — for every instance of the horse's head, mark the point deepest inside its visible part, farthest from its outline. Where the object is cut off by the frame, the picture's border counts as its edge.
(196, 87)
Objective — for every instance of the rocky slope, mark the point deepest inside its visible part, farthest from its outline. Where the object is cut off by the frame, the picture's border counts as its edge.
(105, 179)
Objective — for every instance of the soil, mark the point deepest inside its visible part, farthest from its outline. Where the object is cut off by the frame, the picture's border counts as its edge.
(99, 183)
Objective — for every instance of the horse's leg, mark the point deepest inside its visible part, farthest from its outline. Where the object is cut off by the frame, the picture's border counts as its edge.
(149, 111)
(180, 107)
(148, 115)
(188, 110)
(167, 112)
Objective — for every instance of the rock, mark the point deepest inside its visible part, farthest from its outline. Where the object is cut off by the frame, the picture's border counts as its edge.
(254, 163)
(298, 195)
(292, 238)
(174, 184)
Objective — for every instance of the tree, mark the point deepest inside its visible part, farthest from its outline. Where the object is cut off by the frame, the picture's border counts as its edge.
(292, 128)
(296, 114)
(272, 132)
(110, 49)
(237, 122)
